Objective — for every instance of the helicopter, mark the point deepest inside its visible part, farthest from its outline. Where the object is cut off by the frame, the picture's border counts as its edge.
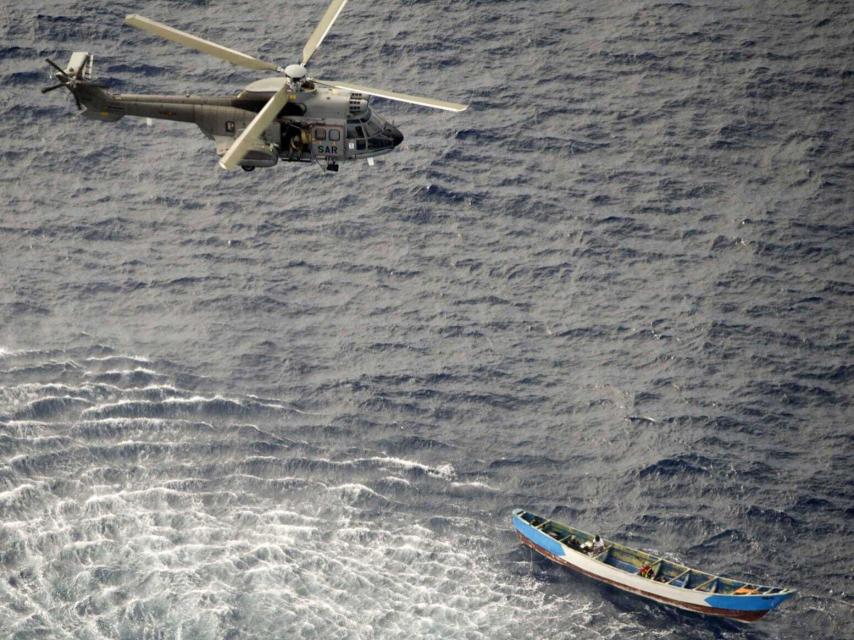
(290, 117)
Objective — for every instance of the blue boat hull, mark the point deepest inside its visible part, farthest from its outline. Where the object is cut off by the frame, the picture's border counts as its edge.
(737, 607)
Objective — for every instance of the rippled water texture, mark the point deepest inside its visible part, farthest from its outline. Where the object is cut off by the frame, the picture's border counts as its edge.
(289, 404)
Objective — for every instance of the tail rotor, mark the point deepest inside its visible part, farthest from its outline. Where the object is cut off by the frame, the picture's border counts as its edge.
(79, 71)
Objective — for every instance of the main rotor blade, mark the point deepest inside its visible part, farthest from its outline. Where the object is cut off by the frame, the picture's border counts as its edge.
(392, 95)
(199, 44)
(56, 86)
(237, 151)
(322, 29)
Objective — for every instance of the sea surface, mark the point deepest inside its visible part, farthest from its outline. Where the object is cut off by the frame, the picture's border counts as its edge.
(617, 291)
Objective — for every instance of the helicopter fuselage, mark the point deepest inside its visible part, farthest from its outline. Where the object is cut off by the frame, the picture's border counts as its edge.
(296, 117)
(317, 124)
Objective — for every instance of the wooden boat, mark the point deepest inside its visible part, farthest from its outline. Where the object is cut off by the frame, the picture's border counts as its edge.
(645, 574)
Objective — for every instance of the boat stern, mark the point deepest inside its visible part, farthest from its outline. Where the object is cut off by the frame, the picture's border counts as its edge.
(529, 532)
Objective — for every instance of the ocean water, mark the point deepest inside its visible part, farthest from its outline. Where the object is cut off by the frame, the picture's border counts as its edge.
(618, 291)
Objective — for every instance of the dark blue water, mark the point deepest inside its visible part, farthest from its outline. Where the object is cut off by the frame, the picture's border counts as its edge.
(618, 290)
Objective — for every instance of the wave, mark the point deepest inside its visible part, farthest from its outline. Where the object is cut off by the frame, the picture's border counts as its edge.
(359, 495)
(443, 472)
(216, 406)
(135, 376)
(112, 428)
(51, 407)
(22, 501)
(688, 464)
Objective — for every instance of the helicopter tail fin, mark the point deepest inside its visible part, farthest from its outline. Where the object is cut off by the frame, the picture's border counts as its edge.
(80, 65)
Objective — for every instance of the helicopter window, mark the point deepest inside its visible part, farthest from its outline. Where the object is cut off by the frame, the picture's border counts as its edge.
(360, 145)
(372, 128)
(334, 134)
(320, 134)
(229, 126)
(359, 131)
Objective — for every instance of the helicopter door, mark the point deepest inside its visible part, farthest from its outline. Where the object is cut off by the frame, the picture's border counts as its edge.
(327, 142)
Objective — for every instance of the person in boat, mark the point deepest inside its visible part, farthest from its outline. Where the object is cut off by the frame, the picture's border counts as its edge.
(645, 571)
(595, 548)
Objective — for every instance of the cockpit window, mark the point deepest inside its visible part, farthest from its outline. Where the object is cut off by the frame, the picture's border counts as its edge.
(372, 128)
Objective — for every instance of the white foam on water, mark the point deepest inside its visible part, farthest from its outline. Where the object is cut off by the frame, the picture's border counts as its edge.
(117, 357)
(287, 406)
(6, 352)
(125, 372)
(186, 404)
(443, 471)
(474, 486)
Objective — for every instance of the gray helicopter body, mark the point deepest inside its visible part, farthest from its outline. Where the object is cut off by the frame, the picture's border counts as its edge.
(292, 117)
(317, 124)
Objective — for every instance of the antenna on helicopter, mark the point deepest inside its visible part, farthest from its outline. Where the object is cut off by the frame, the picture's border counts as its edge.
(296, 75)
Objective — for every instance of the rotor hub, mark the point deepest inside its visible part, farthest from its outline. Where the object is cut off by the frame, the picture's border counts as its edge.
(295, 72)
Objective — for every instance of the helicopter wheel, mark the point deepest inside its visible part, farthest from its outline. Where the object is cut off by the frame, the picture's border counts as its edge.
(250, 167)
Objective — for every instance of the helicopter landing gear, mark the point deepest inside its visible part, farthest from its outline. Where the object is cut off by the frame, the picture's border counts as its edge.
(250, 167)
(332, 166)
